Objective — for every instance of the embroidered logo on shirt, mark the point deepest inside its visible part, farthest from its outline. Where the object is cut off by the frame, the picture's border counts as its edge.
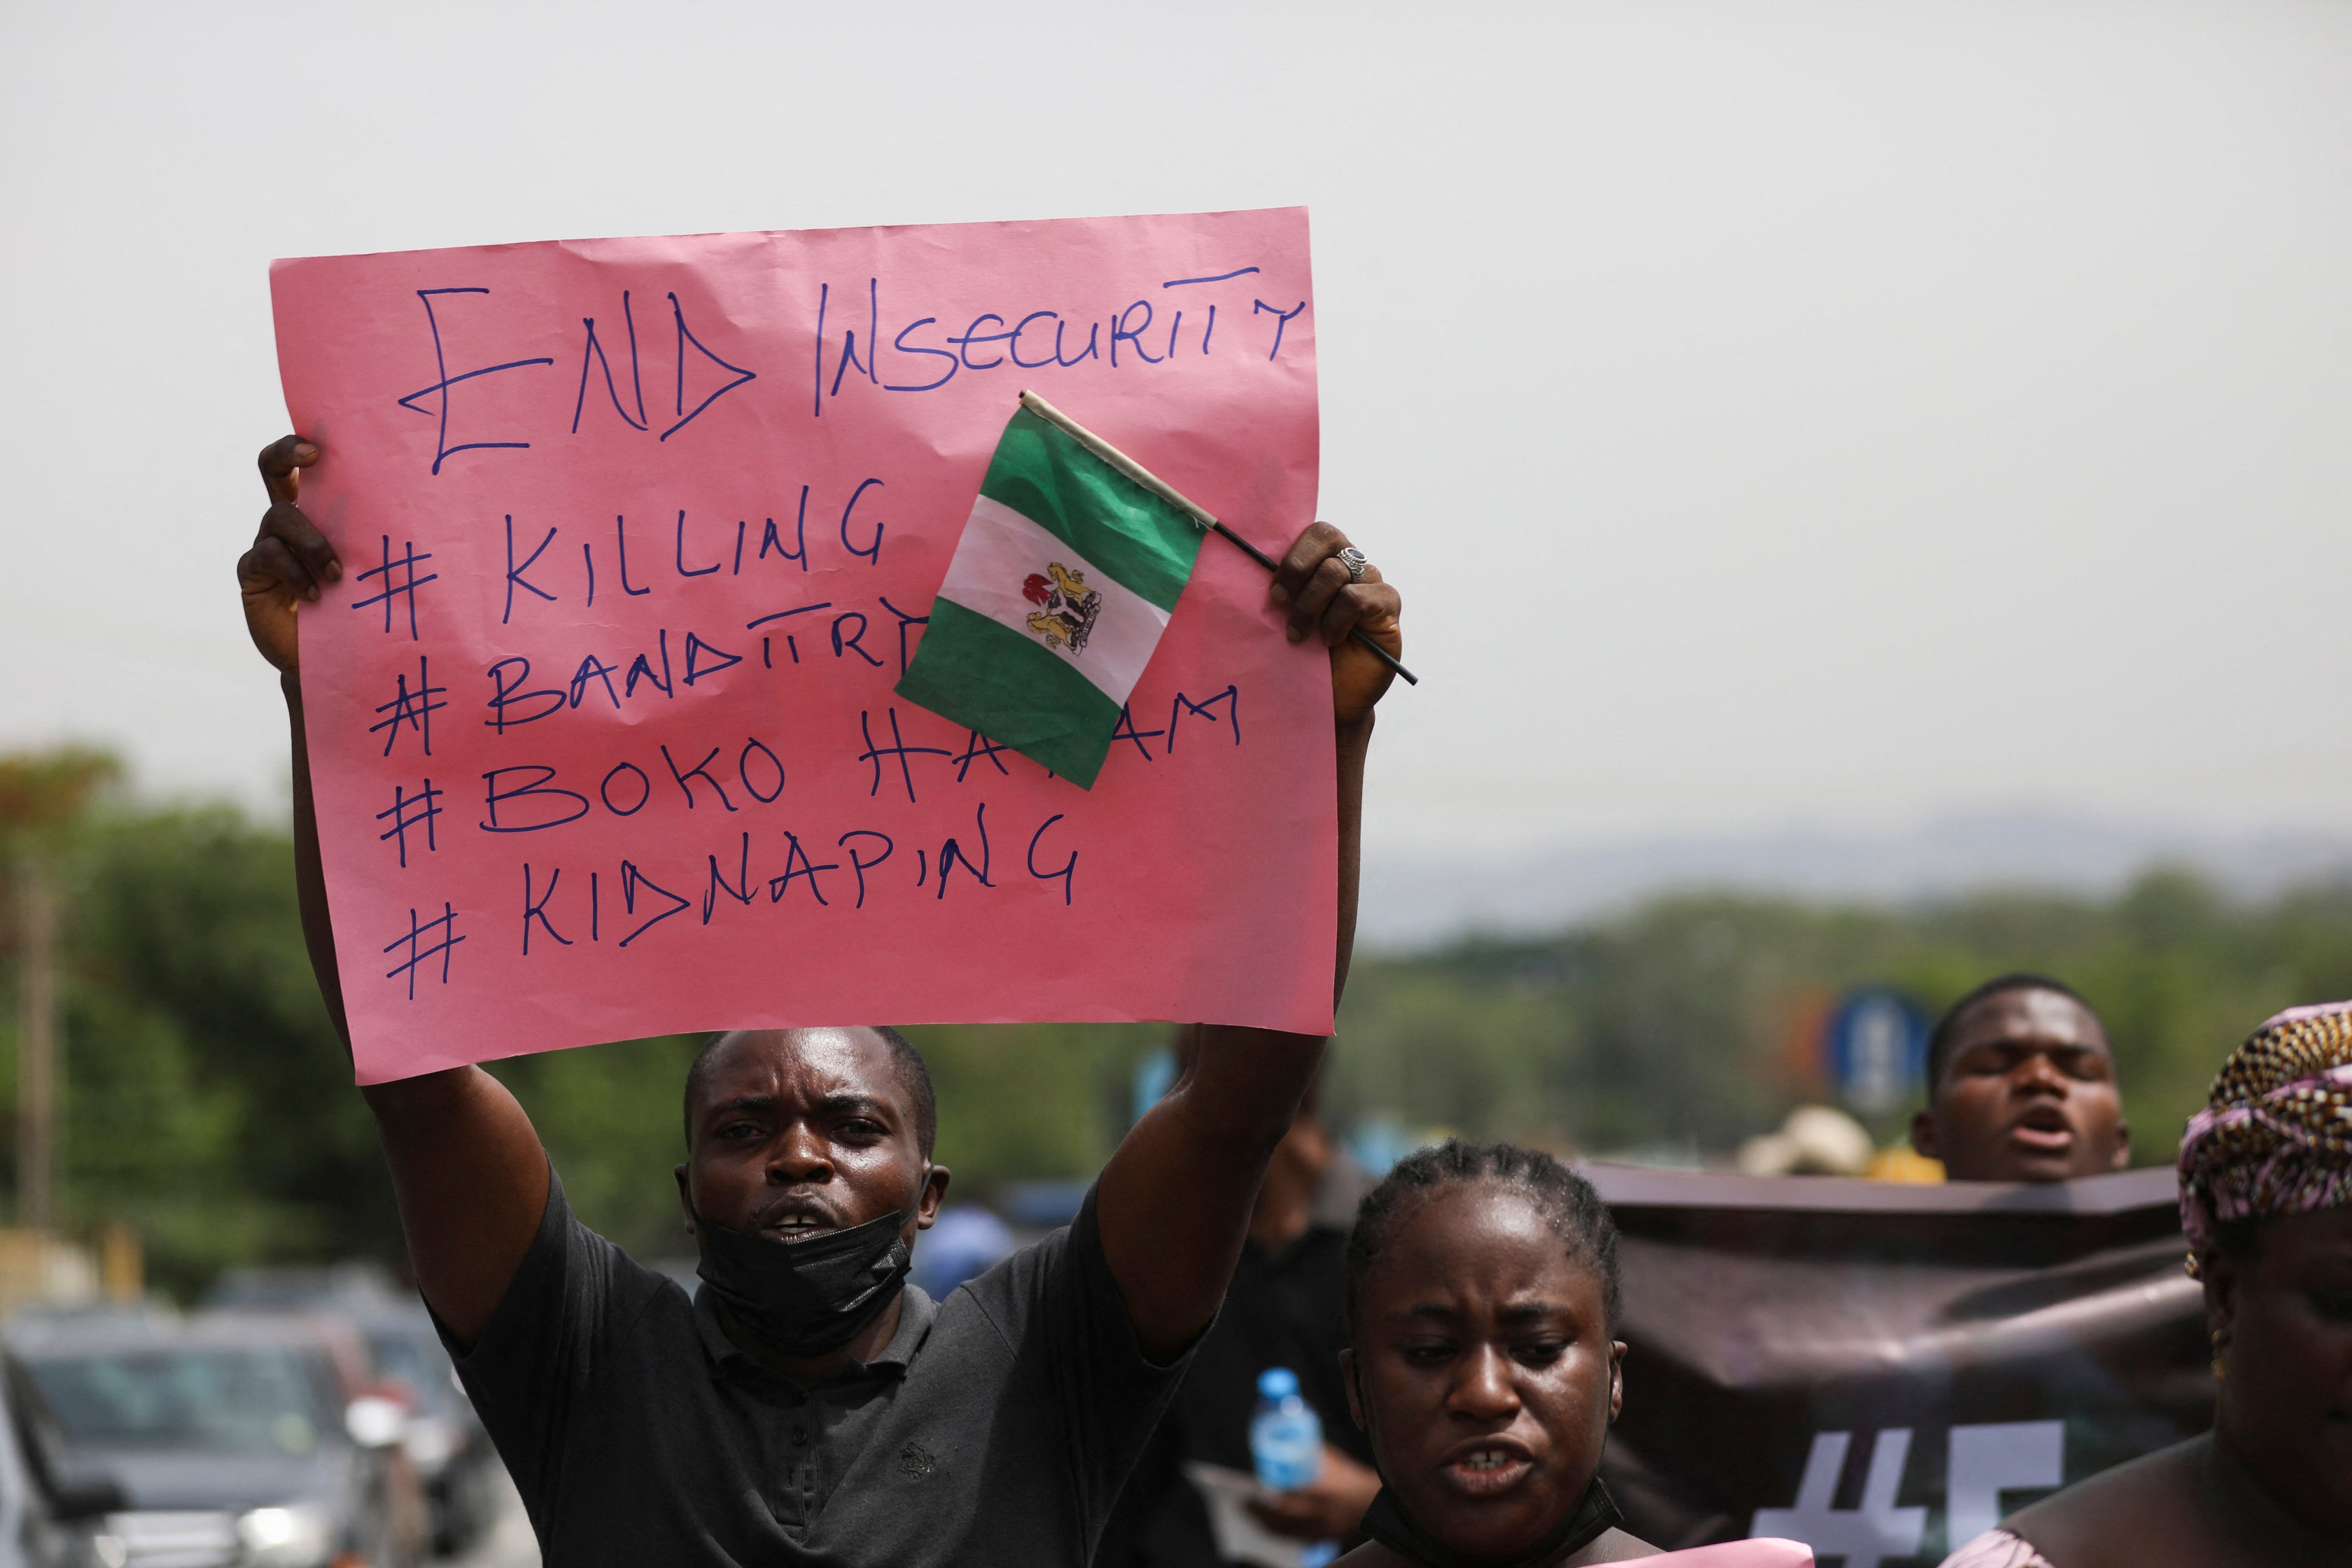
(915, 1462)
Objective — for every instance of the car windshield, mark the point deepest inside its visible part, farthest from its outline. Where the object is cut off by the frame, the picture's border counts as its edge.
(233, 1400)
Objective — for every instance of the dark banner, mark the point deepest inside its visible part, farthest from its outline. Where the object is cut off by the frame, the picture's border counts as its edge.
(1883, 1371)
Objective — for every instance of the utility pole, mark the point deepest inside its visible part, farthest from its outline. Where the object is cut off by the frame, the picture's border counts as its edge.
(42, 797)
(37, 1046)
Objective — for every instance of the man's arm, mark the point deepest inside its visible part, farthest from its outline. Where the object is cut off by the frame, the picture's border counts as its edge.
(1174, 1202)
(468, 1169)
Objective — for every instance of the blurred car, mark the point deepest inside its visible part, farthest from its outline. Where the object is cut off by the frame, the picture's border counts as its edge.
(232, 1441)
(305, 1288)
(445, 1442)
(379, 1416)
(444, 1439)
(46, 1520)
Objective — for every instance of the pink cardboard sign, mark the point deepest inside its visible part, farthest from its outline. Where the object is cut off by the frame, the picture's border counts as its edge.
(637, 536)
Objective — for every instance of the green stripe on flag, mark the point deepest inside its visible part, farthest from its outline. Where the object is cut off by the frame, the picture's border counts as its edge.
(1041, 472)
(1011, 691)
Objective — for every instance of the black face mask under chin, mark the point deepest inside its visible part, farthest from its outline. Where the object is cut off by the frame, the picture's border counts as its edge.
(806, 1298)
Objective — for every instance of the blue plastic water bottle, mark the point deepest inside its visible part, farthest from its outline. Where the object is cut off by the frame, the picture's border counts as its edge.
(1286, 1438)
(1287, 1446)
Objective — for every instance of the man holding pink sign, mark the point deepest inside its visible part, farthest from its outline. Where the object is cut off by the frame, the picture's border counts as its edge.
(808, 1404)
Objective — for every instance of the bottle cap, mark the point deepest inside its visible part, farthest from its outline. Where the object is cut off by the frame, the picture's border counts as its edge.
(1278, 1382)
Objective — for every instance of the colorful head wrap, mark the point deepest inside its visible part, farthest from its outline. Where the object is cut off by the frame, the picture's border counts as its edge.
(2276, 1136)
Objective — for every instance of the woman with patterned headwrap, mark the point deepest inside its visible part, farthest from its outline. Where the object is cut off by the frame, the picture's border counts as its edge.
(2267, 1201)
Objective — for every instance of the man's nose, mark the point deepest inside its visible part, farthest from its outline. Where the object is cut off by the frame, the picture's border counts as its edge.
(1487, 1390)
(798, 1154)
(2040, 1072)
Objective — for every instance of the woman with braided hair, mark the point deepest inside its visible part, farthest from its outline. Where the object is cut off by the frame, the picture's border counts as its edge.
(2266, 1201)
(1483, 1365)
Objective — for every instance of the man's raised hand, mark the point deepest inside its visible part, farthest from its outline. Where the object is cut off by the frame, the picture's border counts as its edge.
(290, 559)
(1326, 598)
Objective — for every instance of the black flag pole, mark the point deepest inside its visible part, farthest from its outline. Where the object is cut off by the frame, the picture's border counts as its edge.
(1168, 492)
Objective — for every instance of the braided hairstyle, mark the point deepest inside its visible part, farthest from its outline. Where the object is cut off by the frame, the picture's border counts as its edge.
(1565, 1200)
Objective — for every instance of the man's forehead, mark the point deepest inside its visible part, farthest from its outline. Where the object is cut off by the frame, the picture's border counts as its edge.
(817, 1061)
(2030, 1014)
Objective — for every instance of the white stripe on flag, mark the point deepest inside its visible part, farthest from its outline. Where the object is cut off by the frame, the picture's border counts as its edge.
(1000, 550)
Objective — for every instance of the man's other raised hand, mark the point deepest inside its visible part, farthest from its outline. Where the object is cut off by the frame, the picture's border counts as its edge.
(1326, 599)
(290, 559)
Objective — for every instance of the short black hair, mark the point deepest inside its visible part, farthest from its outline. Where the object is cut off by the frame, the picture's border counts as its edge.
(913, 1076)
(1566, 1200)
(1939, 1042)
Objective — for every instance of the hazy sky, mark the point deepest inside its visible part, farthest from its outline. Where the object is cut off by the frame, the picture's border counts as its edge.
(1837, 415)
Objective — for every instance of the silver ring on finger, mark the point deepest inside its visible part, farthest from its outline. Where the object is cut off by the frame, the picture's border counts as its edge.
(1356, 561)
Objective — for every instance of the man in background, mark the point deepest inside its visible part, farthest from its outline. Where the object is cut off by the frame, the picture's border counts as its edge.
(2022, 1086)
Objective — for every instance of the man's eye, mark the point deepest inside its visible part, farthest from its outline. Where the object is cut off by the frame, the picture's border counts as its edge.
(857, 1127)
(1428, 1354)
(735, 1131)
(1539, 1352)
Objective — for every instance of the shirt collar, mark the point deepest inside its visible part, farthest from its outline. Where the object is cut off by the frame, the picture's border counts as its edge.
(915, 1318)
(916, 1314)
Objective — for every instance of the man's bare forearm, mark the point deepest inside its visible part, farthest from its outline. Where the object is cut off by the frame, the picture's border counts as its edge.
(1175, 1200)
(467, 1166)
(472, 1182)
(1244, 1085)
(309, 872)
(1355, 744)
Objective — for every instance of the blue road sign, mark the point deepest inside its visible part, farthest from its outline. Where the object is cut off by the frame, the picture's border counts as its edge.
(1875, 1048)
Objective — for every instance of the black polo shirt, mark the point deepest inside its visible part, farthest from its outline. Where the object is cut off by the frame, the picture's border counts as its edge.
(996, 1427)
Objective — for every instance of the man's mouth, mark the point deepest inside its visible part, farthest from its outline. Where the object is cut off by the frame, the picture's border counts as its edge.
(2044, 1129)
(1488, 1469)
(797, 1220)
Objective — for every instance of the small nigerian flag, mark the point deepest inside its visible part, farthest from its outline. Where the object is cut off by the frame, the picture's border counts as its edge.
(1065, 577)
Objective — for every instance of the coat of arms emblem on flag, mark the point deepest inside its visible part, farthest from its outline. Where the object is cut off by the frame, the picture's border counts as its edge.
(1067, 607)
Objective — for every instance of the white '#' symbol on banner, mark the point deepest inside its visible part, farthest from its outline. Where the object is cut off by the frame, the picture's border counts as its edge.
(1864, 1535)
(1986, 1460)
